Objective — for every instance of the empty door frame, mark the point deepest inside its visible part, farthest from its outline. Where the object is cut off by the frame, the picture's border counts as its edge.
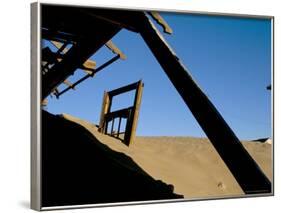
(131, 113)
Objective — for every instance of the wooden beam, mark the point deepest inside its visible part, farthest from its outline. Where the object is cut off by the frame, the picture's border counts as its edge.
(89, 75)
(245, 170)
(89, 64)
(74, 59)
(122, 18)
(110, 45)
(69, 84)
(159, 19)
(56, 36)
(124, 89)
(122, 113)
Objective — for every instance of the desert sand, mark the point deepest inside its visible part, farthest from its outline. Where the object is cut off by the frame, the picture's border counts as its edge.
(77, 169)
(190, 164)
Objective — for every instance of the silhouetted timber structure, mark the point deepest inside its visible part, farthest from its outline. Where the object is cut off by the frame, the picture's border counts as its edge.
(88, 29)
(130, 114)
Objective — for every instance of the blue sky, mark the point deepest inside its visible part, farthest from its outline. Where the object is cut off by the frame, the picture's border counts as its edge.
(230, 58)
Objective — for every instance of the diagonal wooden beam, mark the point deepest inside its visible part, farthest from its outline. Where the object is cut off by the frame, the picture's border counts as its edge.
(69, 84)
(115, 58)
(245, 170)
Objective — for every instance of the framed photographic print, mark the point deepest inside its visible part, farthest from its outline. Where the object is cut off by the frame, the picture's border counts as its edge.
(133, 106)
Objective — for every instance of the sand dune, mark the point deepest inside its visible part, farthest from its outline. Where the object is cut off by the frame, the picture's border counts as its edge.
(78, 169)
(190, 164)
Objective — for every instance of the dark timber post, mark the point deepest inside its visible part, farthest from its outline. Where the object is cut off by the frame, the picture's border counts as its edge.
(134, 114)
(247, 173)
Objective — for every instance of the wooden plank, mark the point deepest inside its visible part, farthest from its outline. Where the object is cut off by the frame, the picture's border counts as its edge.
(133, 119)
(89, 75)
(124, 89)
(123, 113)
(110, 45)
(159, 19)
(104, 111)
(68, 83)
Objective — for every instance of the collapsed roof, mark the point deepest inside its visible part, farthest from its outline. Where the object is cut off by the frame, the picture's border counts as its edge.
(88, 29)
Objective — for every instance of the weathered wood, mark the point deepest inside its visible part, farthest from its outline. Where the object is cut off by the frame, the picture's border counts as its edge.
(121, 18)
(130, 137)
(89, 75)
(104, 111)
(89, 41)
(124, 89)
(89, 64)
(110, 45)
(69, 84)
(131, 113)
(159, 19)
